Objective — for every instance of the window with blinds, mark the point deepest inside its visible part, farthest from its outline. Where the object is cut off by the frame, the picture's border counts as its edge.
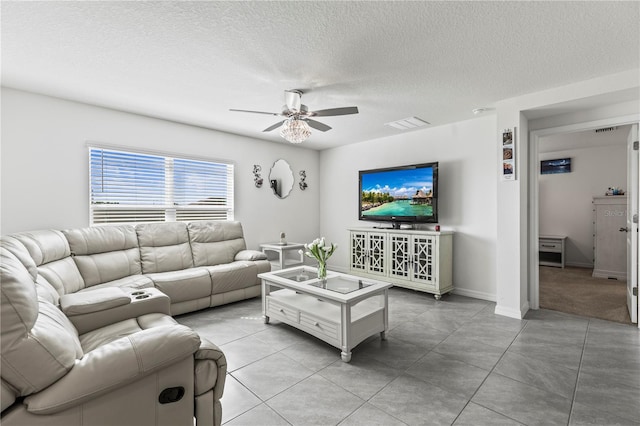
(129, 187)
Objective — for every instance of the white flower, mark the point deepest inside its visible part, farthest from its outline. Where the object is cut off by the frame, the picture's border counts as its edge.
(319, 250)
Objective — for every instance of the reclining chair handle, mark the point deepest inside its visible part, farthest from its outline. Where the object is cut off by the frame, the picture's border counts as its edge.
(170, 395)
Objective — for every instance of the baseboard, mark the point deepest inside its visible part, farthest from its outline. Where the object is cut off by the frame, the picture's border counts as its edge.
(579, 265)
(491, 297)
(611, 275)
(511, 313)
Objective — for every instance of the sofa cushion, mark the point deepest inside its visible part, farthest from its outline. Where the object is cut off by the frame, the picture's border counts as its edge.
(104, 253)
(104, 335)
(50, 252)
(164, 247)
(39, 343)
(44, 246)
(180, 286)
(44, 289)
(215, 242)
(233, 276)
(20, 251)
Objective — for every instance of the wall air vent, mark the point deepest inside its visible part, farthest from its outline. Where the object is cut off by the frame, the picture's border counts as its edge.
(606, 129)
(407, 123)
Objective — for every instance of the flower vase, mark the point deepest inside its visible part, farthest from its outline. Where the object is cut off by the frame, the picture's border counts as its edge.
(322, 271)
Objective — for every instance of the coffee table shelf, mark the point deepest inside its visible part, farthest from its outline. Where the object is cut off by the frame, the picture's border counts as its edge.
(343, 317)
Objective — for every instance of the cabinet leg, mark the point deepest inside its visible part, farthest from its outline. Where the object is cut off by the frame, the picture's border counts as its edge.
(437, 296)
(383, 335)
(346, 356)
(266, 319)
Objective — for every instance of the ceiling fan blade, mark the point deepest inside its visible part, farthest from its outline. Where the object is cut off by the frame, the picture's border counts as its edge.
(275, 126)
(293, 99)
(334, 111)
(317, 125)
(256, 112)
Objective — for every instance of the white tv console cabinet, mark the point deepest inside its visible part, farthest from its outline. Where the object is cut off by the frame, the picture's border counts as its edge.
(419, 260)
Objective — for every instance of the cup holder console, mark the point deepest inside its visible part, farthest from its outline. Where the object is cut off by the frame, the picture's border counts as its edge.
(140, 294)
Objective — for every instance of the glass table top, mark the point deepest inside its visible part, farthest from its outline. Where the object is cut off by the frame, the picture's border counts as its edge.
(340, 285)
(333, 283)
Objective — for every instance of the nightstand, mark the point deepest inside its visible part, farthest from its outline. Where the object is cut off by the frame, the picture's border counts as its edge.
(551, 250)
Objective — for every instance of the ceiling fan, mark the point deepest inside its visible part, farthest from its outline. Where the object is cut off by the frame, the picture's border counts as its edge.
(295, 126)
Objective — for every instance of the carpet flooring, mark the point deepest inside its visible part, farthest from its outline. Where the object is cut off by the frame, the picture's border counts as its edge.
(574, 291)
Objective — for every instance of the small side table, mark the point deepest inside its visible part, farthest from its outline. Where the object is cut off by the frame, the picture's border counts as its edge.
(281, 259)
(551, 250)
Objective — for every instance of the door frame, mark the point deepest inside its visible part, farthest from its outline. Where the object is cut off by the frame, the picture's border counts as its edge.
(534, 197)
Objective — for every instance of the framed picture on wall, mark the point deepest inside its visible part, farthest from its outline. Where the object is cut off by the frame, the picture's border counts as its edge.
(508, 159)
(559, 165)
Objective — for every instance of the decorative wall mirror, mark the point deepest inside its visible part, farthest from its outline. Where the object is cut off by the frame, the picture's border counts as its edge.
(281, 179)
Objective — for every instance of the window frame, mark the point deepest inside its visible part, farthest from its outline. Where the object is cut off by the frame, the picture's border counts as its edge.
(169, 210)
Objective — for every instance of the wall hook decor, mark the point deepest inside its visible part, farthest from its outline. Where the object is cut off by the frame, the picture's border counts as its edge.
(257, 179)
(303, 176)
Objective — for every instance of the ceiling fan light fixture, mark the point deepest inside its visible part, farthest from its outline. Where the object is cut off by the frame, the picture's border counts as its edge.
(295, 130)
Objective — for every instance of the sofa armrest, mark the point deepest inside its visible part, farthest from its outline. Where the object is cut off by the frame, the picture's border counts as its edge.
(250, 255)
(210, 369)
(141, 302)
(114, 365)
(85, 302)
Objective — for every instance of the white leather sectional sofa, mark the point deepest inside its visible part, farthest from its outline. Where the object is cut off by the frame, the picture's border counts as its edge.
(87, 333)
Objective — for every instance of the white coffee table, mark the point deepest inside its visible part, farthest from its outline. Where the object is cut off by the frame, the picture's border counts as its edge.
(343, 311)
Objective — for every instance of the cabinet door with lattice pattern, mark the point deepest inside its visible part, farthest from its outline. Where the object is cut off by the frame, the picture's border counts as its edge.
(424, 259)
(358, 251)
(400, 256)
(377, 247)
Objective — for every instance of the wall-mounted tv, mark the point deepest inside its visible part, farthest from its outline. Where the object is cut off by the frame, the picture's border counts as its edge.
(406, 194)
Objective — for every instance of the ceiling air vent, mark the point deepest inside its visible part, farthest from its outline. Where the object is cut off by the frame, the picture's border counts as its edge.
(407, 123)
(606, 129)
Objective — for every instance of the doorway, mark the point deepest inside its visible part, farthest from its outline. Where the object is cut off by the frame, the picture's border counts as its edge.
(578, 170)
(564, 208)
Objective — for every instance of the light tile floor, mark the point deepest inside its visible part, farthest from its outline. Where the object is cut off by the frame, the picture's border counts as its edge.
(445, 362)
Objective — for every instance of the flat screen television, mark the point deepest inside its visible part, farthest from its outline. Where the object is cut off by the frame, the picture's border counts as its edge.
(404, 194)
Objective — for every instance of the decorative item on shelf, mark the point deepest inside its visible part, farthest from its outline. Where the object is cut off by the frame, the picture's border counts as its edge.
(283, 240)
(320, 251)
(257, 179)
(303, 176)
(614, 191)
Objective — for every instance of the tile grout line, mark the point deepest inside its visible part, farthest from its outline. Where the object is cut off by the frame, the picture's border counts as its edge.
(575, 389)
(490, 372)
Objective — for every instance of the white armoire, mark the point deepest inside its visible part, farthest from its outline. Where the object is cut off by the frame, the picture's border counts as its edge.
(610, 237)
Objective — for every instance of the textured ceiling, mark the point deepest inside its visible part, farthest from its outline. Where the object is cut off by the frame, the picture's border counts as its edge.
(192, 61)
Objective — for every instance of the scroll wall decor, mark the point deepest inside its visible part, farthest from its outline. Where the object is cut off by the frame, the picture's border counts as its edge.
(508, 154)
(257, 179)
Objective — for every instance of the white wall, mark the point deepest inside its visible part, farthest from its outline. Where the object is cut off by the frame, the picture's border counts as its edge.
(44, 166)
(467, 193)
(565, 200)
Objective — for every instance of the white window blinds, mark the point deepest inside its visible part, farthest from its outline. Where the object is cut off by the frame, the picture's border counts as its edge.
(129, 187)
